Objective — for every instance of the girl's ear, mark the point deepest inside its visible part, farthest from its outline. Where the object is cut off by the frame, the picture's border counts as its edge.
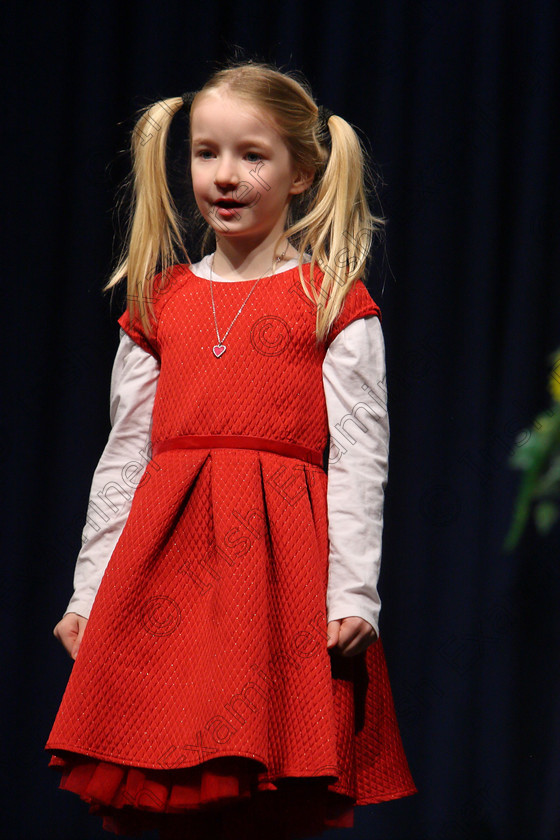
(302, 181)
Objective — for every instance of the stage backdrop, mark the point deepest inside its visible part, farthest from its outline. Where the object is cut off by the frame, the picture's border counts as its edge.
(458, 103)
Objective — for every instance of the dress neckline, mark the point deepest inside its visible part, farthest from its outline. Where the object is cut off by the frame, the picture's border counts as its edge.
(203, 264)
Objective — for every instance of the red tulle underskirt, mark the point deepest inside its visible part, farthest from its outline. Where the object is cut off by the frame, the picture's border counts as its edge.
(221, 799)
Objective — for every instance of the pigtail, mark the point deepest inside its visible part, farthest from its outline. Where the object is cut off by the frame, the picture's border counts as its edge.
(153, 232)
(338, 226)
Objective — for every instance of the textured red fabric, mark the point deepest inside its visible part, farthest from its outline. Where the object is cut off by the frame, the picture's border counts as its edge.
(203, 696)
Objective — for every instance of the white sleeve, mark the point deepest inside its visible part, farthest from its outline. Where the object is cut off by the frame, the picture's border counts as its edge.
(354, 379)
(120, 468)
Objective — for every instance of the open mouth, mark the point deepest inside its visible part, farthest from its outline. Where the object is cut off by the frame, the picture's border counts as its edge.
(229, 203)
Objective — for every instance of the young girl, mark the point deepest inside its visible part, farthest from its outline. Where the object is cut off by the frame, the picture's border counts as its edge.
(228, 678)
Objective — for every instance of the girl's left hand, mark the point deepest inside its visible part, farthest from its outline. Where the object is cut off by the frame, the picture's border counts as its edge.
(351, 635)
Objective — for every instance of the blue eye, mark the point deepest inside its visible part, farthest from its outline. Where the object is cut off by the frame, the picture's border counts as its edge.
(254, 155)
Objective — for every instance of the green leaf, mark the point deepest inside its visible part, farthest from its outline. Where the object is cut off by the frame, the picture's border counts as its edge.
(549, 483)
(546, 514)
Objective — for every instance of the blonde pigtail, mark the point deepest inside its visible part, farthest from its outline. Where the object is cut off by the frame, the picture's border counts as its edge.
(153, 234)
(338, 226)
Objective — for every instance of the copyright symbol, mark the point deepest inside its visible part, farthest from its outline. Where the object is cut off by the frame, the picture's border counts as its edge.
(270, 335)
(160, 616)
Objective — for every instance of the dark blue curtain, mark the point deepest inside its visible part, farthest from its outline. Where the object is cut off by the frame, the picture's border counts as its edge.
(458, 103)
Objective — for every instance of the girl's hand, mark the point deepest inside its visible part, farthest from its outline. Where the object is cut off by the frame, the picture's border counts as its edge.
(350, 636)
(69, 631)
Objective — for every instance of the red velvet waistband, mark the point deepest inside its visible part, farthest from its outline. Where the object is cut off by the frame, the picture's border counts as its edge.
(292, 450)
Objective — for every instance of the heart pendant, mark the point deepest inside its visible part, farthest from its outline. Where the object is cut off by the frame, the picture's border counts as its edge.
(218, 349)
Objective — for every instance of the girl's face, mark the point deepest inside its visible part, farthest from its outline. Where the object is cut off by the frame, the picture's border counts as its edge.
(242, 172)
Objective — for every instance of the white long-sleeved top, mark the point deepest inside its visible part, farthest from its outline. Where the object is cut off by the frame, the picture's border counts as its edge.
(355, 395)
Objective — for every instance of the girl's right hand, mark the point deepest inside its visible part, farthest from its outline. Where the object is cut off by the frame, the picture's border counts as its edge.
(69, 631)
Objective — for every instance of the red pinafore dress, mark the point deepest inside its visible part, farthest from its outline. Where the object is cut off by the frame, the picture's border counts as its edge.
(203, 700)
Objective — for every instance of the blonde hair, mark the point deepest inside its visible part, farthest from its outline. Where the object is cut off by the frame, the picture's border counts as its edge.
(332, 218)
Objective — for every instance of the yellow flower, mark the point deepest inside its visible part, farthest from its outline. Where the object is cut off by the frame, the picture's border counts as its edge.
(554, 380)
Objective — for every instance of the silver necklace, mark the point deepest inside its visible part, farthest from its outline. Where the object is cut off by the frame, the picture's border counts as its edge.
(220, 348)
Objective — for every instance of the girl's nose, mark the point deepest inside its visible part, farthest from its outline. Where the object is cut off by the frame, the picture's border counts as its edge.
(226, 173)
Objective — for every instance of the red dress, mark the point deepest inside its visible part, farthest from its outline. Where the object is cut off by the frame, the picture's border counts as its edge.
(203, 700)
